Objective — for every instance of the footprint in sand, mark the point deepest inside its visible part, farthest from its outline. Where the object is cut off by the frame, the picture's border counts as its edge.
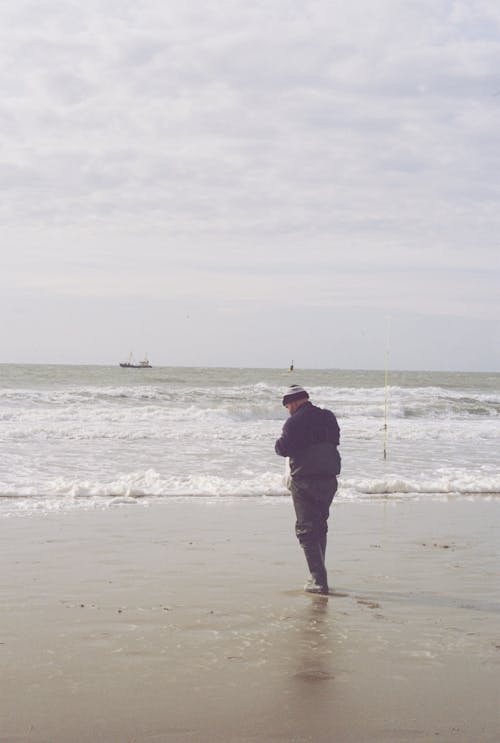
(369, 604)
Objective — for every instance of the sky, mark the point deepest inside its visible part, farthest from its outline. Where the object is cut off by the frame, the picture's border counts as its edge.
(243, 183)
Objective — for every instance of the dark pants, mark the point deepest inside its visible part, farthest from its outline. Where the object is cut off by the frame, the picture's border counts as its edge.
(312, 500)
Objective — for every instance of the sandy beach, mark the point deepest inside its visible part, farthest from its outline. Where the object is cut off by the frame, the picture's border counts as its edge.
(185, 621)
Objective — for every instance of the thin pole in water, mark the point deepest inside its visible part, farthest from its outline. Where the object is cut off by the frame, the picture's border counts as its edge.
(386, 384)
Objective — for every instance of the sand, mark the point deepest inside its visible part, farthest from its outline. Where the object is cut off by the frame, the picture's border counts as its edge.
(185, 621)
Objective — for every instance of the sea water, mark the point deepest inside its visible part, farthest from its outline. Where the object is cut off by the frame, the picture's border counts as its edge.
(95, 436)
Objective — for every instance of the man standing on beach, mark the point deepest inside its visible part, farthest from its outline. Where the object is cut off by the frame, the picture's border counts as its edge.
(310, 438)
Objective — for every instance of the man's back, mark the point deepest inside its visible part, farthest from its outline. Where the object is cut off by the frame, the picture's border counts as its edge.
(310, 438)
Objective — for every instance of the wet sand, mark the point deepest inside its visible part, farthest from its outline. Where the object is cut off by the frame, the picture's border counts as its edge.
(185, 621)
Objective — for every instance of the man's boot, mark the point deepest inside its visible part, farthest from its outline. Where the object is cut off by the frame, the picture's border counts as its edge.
(314, 557)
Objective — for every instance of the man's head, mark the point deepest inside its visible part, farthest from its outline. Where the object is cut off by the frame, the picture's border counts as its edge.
(294, 397)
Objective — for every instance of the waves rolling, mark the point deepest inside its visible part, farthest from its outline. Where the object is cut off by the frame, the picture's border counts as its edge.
(78, 438)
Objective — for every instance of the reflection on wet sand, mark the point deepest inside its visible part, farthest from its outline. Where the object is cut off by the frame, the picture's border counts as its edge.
(307, 681)
(314, 657)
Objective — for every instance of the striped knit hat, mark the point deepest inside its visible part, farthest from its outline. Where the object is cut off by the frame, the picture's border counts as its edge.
(294, 392)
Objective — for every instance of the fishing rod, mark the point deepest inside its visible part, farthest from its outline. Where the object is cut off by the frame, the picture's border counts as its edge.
(386, 385)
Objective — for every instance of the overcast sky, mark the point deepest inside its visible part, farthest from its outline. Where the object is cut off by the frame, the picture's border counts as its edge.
(243, 182)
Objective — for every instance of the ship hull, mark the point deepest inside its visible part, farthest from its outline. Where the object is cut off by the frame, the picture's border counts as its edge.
(136, 366)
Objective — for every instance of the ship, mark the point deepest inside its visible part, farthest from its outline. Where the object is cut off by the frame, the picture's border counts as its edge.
(133, 364)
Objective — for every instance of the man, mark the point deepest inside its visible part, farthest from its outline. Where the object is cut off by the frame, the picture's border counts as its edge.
(310, 438)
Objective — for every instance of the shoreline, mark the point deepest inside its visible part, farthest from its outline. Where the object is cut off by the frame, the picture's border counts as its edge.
(185, 621)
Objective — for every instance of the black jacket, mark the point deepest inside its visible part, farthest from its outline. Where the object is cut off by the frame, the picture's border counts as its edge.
(310, 438)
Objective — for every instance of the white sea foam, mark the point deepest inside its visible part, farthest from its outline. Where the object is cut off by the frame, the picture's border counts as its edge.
(444, 482)
(149, 485)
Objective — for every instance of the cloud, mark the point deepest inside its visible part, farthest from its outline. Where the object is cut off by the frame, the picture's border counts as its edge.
(218, 148)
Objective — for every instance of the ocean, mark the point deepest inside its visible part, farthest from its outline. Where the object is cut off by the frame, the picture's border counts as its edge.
(76, 437)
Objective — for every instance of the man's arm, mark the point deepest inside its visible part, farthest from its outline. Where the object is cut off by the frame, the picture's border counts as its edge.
(333, 426)
(285, 442)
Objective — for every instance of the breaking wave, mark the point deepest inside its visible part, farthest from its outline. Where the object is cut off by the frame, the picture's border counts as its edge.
(148, 486)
